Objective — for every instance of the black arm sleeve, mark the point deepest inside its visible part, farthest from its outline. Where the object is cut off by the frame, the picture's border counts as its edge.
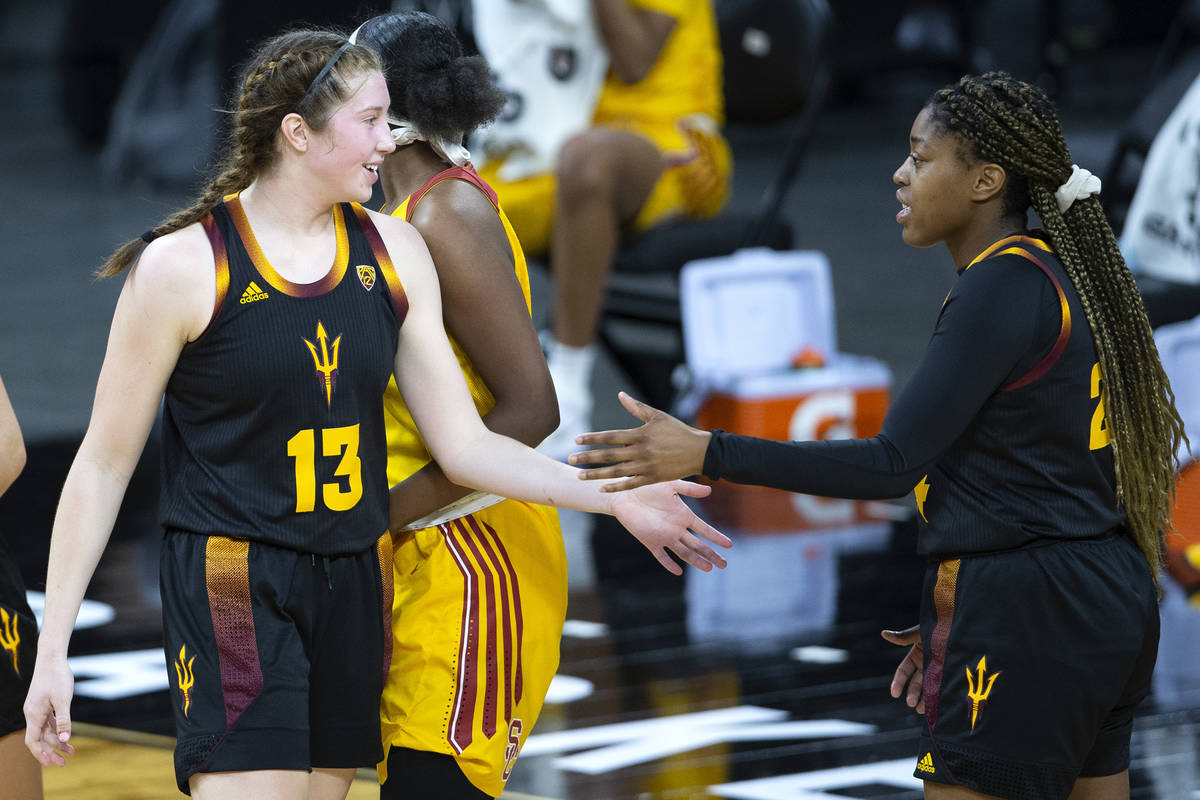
(987, 331)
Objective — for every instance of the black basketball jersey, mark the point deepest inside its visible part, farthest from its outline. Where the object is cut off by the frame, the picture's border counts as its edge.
(273, 419)
(1036, 460)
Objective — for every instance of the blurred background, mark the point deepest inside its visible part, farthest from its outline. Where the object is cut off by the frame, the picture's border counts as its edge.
(766, 681)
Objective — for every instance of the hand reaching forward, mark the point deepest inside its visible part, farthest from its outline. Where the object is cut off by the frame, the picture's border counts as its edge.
(661, 521)
(48, 712)
(662, 449)
(911, 669)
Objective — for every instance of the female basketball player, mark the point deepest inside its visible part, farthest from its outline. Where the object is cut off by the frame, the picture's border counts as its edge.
(1042, 450)
(518, 567)
(272, 314)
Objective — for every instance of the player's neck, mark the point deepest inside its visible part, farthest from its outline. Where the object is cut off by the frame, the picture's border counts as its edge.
(406, 170)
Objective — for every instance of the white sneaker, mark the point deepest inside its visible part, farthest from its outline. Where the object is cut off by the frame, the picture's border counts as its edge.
(573, 421)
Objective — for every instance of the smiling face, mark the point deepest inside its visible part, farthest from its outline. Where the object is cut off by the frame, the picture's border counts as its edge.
(346, 155)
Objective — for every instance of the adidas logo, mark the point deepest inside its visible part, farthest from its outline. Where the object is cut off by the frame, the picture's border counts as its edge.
(926, 764)
(252, 293)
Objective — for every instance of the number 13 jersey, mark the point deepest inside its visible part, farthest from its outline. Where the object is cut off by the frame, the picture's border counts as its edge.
(273, 418)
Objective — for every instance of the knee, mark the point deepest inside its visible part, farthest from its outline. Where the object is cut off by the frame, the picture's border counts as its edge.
(585, 171)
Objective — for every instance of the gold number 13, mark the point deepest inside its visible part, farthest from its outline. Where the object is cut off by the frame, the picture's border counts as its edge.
(334, 442)
(1099, 437)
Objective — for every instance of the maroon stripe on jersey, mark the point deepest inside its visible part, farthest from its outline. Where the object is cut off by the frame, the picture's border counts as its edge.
(506, 577)
(491, 687)
(387, 580)
(518, 688)
(227, 575)
(1064, 333)
(466, 173)
(460, 731)
(399, 298)
(943, 604)
(221, 264)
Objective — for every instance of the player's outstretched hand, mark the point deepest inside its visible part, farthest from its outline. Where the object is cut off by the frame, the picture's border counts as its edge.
(663, 449)
(48, 712)
(661, 521)
(912, 669)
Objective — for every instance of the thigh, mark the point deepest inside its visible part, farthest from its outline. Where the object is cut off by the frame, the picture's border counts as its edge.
(477, 617)
(348, 655)
(621, 164)
(1027, 654)
(236, 661)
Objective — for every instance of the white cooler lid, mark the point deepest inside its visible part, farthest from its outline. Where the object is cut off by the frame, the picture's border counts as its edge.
(749, 313)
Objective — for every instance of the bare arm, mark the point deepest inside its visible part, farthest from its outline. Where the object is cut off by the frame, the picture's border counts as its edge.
(167, 298)
(471, 455)
(12, 446)
(634, 37)
(485, 311)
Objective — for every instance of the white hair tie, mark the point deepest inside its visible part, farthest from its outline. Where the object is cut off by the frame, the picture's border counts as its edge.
(1081, 184)
(404, 132)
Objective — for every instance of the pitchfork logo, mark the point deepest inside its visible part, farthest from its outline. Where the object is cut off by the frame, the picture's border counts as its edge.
(187, 679)
(10, 636)
(976, 691)
(326, 361)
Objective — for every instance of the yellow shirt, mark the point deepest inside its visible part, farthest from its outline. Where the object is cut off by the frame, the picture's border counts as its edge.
(686, 78)
(406, 451)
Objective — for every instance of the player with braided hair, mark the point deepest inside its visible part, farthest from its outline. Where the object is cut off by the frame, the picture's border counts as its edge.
(1042, 451)
(267, 320)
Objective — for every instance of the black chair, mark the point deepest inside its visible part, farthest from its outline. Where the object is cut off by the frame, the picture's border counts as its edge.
(777, 69)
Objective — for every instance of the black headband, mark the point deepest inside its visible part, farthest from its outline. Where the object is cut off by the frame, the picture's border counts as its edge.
(312, 87)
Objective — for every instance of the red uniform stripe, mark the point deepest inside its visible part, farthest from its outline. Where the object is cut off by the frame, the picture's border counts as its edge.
(943, 604)
(221, 262)
(460, 731)
(505, 577)
(1064, 331)
(227, 575)
(518, 681)
(466, 173)
(490, 690)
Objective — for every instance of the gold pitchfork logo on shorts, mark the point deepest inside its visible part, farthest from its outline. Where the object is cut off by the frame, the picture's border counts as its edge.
(977, 693)
(10, 636)
(183, 671)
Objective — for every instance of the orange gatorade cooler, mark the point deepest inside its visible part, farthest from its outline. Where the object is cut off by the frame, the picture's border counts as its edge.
(761, 349)
(847, 398)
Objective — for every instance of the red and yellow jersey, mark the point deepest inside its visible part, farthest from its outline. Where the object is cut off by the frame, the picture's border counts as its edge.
(406, 451)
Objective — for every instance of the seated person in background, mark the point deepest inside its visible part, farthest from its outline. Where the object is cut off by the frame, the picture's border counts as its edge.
(1161, 237)
(654, 153)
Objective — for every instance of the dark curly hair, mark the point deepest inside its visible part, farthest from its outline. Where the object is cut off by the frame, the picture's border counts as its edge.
(433, 85)
(1014, 124)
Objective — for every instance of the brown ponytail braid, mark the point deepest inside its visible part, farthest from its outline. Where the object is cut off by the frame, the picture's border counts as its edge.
(277, 81)
(1014, 124)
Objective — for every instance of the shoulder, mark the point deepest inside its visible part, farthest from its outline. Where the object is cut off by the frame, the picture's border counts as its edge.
(398, 235)
(455, 208)
(1005, 276)
(175, 275)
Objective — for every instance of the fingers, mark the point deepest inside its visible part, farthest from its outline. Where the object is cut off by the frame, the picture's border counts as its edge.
(702, 528)
(622, 436)
(667, 562)
(636, 407)
(709, 555)
(907, 636)
(62, 719)
(691, 557)
(603, 455)
(691, 489)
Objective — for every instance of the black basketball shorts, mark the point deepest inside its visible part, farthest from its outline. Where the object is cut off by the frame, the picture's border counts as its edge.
(1035, 660)
(276, 657)
(18, 647)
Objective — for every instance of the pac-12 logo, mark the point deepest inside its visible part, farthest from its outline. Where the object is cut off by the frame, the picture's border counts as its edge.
(514, 747)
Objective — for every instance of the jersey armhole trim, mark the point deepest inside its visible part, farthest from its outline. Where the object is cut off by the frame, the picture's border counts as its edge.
(221, 264)
(1064, 332)
(384, 259)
